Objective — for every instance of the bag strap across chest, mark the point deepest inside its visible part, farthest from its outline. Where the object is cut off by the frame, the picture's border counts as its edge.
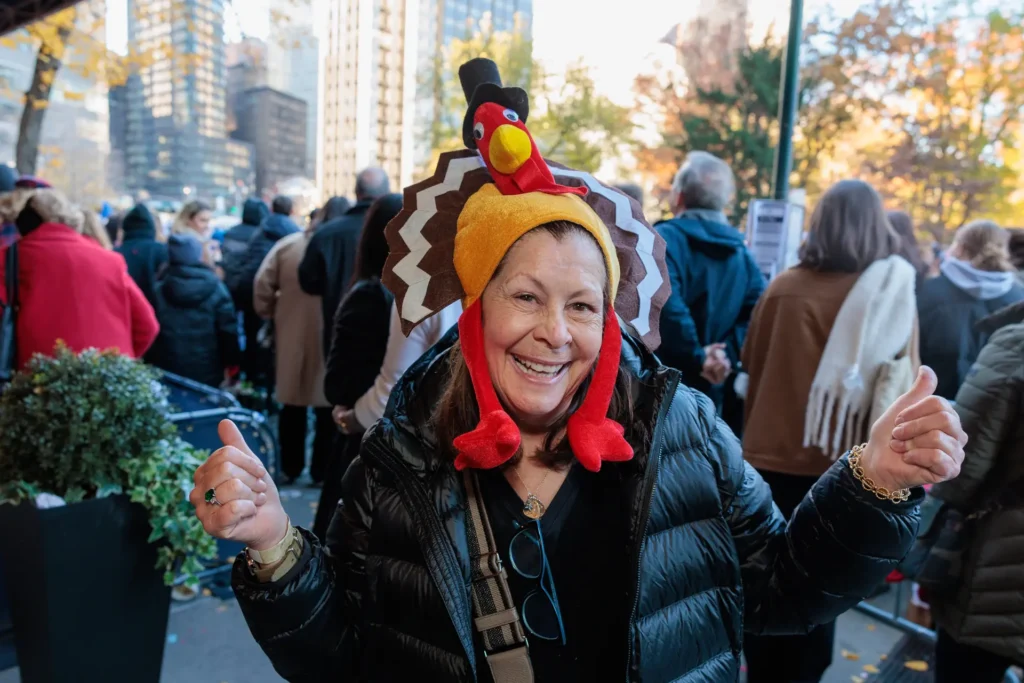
(495, 616)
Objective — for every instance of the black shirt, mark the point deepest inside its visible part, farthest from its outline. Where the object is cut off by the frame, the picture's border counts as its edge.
(584, 531)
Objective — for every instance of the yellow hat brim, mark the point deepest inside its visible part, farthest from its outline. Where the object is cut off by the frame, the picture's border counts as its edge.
(491, 222)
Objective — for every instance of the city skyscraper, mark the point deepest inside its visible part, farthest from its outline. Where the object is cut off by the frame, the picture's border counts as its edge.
(176, 110)
(369, 91)
(275, 123)
(293, 63)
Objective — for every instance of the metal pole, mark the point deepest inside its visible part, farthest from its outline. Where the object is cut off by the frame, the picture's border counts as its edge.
(789, 92)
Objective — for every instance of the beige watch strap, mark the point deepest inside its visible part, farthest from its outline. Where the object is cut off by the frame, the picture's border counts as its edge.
(276, 552)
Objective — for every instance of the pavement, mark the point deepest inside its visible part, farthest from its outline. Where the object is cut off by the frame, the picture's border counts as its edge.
(209, 642)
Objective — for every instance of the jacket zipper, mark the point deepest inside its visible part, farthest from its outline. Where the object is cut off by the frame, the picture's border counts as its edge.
(650, 485)
(425, 513)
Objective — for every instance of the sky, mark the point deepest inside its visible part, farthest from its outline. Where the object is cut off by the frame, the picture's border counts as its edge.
(612, 41)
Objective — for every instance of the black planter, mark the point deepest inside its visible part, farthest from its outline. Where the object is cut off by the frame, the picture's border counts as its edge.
(86, 601)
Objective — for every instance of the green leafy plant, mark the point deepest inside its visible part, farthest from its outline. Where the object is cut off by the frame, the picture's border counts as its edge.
(94, 424)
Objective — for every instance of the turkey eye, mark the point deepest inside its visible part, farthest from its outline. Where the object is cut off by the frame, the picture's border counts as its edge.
(511, 115)
(478, 130)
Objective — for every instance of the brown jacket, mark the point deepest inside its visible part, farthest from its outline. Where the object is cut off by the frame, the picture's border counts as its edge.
(987, 610)
(297, 323)
(787, 335)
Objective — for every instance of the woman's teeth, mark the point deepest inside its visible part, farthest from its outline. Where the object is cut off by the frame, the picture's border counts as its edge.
(539, 369)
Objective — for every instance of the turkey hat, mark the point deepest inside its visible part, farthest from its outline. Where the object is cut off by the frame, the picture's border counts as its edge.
(481, 83)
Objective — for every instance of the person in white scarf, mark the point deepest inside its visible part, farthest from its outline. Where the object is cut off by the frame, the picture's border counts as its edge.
(874, 326)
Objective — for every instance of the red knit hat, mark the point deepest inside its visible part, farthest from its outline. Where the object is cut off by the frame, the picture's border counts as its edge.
(457, 226)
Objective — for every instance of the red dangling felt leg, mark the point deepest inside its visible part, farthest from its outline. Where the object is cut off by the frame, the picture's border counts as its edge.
(593, 436)
(496, 437)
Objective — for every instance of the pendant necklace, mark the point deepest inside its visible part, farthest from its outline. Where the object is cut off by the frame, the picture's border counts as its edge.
(532, 507)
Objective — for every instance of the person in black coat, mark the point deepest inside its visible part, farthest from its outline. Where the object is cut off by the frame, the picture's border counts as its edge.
(976, 279)
(236, 244)
(198, 328)
(256, 362)
(142, 252)
(326, 268)
(359, 341)
(715, 284)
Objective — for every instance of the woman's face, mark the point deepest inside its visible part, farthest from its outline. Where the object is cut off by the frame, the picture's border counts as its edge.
(201, 222)
(543, 315)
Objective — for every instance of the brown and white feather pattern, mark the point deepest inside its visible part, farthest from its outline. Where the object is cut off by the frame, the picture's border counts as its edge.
(420, 270)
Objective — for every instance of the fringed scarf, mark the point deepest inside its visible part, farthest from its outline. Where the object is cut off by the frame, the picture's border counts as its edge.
(872, 327)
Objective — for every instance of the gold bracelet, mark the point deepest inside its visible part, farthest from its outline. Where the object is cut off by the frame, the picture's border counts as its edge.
(882, 493)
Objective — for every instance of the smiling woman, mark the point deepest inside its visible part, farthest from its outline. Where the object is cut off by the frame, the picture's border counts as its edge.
(539, 476)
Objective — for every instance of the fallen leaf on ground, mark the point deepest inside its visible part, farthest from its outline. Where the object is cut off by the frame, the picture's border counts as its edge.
(884, 657)
(871, 668)
(916, 665)
(871, 627)
(222, 608)
(852, 656)
(856, 679)
(207, 592)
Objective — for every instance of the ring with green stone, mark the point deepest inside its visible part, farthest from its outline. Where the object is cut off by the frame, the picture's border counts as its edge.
(211, 497)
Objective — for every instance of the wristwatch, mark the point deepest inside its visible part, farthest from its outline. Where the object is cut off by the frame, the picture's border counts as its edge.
(258, 560)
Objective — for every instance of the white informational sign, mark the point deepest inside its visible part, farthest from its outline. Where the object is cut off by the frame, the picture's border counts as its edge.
(774, 231)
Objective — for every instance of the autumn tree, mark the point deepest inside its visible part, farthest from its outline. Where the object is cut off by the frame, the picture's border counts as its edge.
(571, 121)
(958, 123)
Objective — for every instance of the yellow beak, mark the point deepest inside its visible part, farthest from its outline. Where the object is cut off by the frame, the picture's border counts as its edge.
(509, 149)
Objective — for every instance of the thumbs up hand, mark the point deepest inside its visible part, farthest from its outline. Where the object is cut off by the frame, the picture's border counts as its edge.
(245, 506)
(917, 441)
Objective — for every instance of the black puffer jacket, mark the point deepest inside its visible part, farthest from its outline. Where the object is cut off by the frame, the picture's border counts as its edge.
(240, 280)
(236, 244)
(711, 554)
(198, 329)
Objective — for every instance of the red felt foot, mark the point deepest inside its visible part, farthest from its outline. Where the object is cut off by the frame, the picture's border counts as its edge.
(492, 443)
(593, 443)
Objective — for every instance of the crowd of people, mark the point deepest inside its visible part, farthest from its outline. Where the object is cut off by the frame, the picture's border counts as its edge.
(453, 413)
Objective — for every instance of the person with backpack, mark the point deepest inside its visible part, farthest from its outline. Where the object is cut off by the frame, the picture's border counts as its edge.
(236, 242)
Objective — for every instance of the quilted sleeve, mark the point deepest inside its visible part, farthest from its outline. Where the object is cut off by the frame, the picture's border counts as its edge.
(307, 622)
(839, 545)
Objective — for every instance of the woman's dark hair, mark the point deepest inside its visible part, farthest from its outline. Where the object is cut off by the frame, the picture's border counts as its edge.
(1017, 247)
(903, 226)
(457, 411)
(335, 207)
(373, 247)
(849, 230)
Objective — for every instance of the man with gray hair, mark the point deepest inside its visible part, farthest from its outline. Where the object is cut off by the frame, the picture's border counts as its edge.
(327, 265)
(715, 284)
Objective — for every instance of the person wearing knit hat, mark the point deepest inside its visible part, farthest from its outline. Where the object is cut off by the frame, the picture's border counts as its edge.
(144, 254)
(543, 500)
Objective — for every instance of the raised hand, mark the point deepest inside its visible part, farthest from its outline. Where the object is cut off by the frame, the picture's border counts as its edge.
(917, 441)
(248, 508)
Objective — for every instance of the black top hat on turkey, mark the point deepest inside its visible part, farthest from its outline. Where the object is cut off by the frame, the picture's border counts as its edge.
(481, 83)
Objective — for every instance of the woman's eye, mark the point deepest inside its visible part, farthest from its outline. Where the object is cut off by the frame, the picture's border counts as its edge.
(529, 298)
(583, 307)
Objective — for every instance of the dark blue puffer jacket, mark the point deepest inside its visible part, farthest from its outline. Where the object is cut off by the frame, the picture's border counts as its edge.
(710, 553)
(236, 242)
(145, 256)
(273, 228)
(715, 285)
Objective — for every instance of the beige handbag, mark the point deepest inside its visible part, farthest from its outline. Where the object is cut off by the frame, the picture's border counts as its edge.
(895, 377)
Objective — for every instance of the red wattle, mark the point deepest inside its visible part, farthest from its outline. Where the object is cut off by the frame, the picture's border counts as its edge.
(593, 436)
(495, 440)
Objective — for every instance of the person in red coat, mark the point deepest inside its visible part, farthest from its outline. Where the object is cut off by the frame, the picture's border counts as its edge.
(71, 289)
